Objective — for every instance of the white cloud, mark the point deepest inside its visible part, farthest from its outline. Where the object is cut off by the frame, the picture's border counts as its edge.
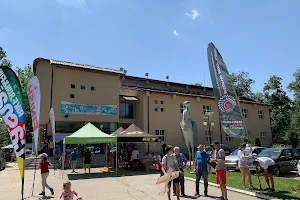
(193, 15)
(175, 33)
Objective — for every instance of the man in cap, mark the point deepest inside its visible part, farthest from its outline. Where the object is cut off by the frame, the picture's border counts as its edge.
(219, 159)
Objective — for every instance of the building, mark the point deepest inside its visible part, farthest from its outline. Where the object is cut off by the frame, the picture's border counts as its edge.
(155, 106)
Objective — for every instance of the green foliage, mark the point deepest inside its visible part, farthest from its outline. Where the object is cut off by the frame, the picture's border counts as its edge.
(257, 142)
(242, 83)
(293, 137)
(281, 106)
(3, 60)
(277, 145)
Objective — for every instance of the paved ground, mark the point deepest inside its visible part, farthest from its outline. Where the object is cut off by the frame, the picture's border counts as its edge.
(92, 187)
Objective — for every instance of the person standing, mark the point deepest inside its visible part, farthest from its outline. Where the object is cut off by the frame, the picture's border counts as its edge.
(242, 163)
(181, 163)
(169, 162)
(87, 160)
(134, 158)
(219, 159)
(44, 165)
(74, 156)
(265, 167)
(200, 168)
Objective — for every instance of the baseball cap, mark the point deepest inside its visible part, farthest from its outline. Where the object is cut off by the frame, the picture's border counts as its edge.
(215, 142)
(44, 155)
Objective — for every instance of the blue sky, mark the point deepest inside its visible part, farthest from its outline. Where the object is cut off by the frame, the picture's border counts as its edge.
(162, 38)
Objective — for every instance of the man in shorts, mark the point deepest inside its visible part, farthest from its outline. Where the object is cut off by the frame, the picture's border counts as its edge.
(219, 159)
(265, 167)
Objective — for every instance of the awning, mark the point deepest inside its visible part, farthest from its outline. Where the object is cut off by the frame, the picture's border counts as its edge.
(130, 98)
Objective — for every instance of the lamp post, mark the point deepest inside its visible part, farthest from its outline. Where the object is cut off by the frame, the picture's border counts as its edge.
(209, 124)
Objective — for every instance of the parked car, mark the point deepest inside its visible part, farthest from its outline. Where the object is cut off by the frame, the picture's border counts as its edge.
(286, 159)
(232, 160)
(2, 160)
(298, 167)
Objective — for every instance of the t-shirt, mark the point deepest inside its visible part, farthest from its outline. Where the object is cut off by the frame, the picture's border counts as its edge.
(202, 159)
(68, 195)
(181, 160)
(135, 154)
(157, 157)
(242, 161)
(265, 162)
(44, 166)
(218, 155)
(74, 156)
(169, 162)
(87, 158)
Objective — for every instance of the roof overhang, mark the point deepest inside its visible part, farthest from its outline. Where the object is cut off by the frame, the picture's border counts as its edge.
(127, 98)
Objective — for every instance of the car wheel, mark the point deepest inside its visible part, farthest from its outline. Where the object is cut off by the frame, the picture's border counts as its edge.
(277, 171)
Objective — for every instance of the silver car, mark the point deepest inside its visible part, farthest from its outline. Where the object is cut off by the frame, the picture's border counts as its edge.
(232, 160)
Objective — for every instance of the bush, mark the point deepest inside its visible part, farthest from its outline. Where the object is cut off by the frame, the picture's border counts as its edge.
(257, 142)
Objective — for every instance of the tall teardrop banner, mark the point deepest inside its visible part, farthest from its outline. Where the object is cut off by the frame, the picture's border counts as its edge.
(12, 109)
(227, 100)
(52, 121)
(34, 97)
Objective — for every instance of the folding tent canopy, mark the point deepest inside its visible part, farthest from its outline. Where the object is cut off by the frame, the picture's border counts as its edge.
(89, 134)
(134, 134)
(119, 130)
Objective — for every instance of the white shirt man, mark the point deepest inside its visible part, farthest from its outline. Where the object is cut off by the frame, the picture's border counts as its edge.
(265, 162)
(135, 154)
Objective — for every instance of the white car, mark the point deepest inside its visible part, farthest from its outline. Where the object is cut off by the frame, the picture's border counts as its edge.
(298, 167)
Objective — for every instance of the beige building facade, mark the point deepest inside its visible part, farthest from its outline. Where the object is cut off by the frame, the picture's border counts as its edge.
(115, 99)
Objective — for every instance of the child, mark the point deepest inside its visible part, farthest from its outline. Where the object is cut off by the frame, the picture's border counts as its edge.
(68, 193)
(44, 165)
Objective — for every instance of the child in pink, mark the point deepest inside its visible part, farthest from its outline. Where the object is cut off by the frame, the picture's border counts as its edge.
(68, 193)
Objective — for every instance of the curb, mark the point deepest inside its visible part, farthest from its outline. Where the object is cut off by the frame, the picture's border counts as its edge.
(254, 194)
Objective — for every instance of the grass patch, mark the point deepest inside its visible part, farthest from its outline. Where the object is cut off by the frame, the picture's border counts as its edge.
(286, 188)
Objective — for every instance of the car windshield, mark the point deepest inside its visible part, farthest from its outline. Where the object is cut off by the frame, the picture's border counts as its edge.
(235, 153)
(270, 153)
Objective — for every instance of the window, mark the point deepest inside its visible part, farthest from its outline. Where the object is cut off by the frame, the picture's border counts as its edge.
(161, 102)
(82, 87)
(206, 108)
(72, 85)
(155, 101)
(286, 153)
(92, 88)
(72, 96)
(296, 152)
(228, 138)
(161, 134)
(162, 109)
(127, 110)
(263, 135)
(208, 137)
(260, 114)
(245, 112)
(155, 109)
(182, 107)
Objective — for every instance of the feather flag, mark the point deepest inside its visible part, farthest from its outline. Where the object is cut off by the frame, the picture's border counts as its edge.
(12, 110)
(227, 100)
(34, 97)
(52, 121)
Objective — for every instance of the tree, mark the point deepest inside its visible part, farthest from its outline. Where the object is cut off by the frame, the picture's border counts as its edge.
(3, 60)
(257, 142)
(242, 83)
(281, 107)
(24, 75)
(259, 97)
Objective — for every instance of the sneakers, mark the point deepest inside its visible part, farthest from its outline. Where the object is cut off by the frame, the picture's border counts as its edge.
(197, 194)
(52, 191)
(183, 195)
(251, 187)
(42, 193)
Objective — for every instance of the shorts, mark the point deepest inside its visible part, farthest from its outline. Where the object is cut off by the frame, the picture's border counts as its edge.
(221, 176)
(271, 169)
(176, 180)
(87, 166)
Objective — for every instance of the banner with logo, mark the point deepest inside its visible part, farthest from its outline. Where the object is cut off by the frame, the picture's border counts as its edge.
(52, 121)
(34, 97)
(12, 110)
(227, 100)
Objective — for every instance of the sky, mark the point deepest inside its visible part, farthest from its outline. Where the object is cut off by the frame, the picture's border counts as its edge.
(162, 38)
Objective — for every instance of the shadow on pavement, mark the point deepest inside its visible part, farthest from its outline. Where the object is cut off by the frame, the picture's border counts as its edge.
(280, 194)
(45, 197)
(121, 172)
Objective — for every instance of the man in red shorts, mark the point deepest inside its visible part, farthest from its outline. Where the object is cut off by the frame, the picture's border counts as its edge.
(219, 159)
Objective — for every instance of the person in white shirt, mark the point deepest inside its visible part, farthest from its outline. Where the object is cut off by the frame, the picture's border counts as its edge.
(134, 158)
(243, 165)
(265, 167)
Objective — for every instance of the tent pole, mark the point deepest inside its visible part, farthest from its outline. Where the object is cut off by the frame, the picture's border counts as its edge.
(116, 158)
(63, 158)
(106, 155)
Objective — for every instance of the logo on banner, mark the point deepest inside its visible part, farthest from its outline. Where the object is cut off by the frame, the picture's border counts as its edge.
(227, 103)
